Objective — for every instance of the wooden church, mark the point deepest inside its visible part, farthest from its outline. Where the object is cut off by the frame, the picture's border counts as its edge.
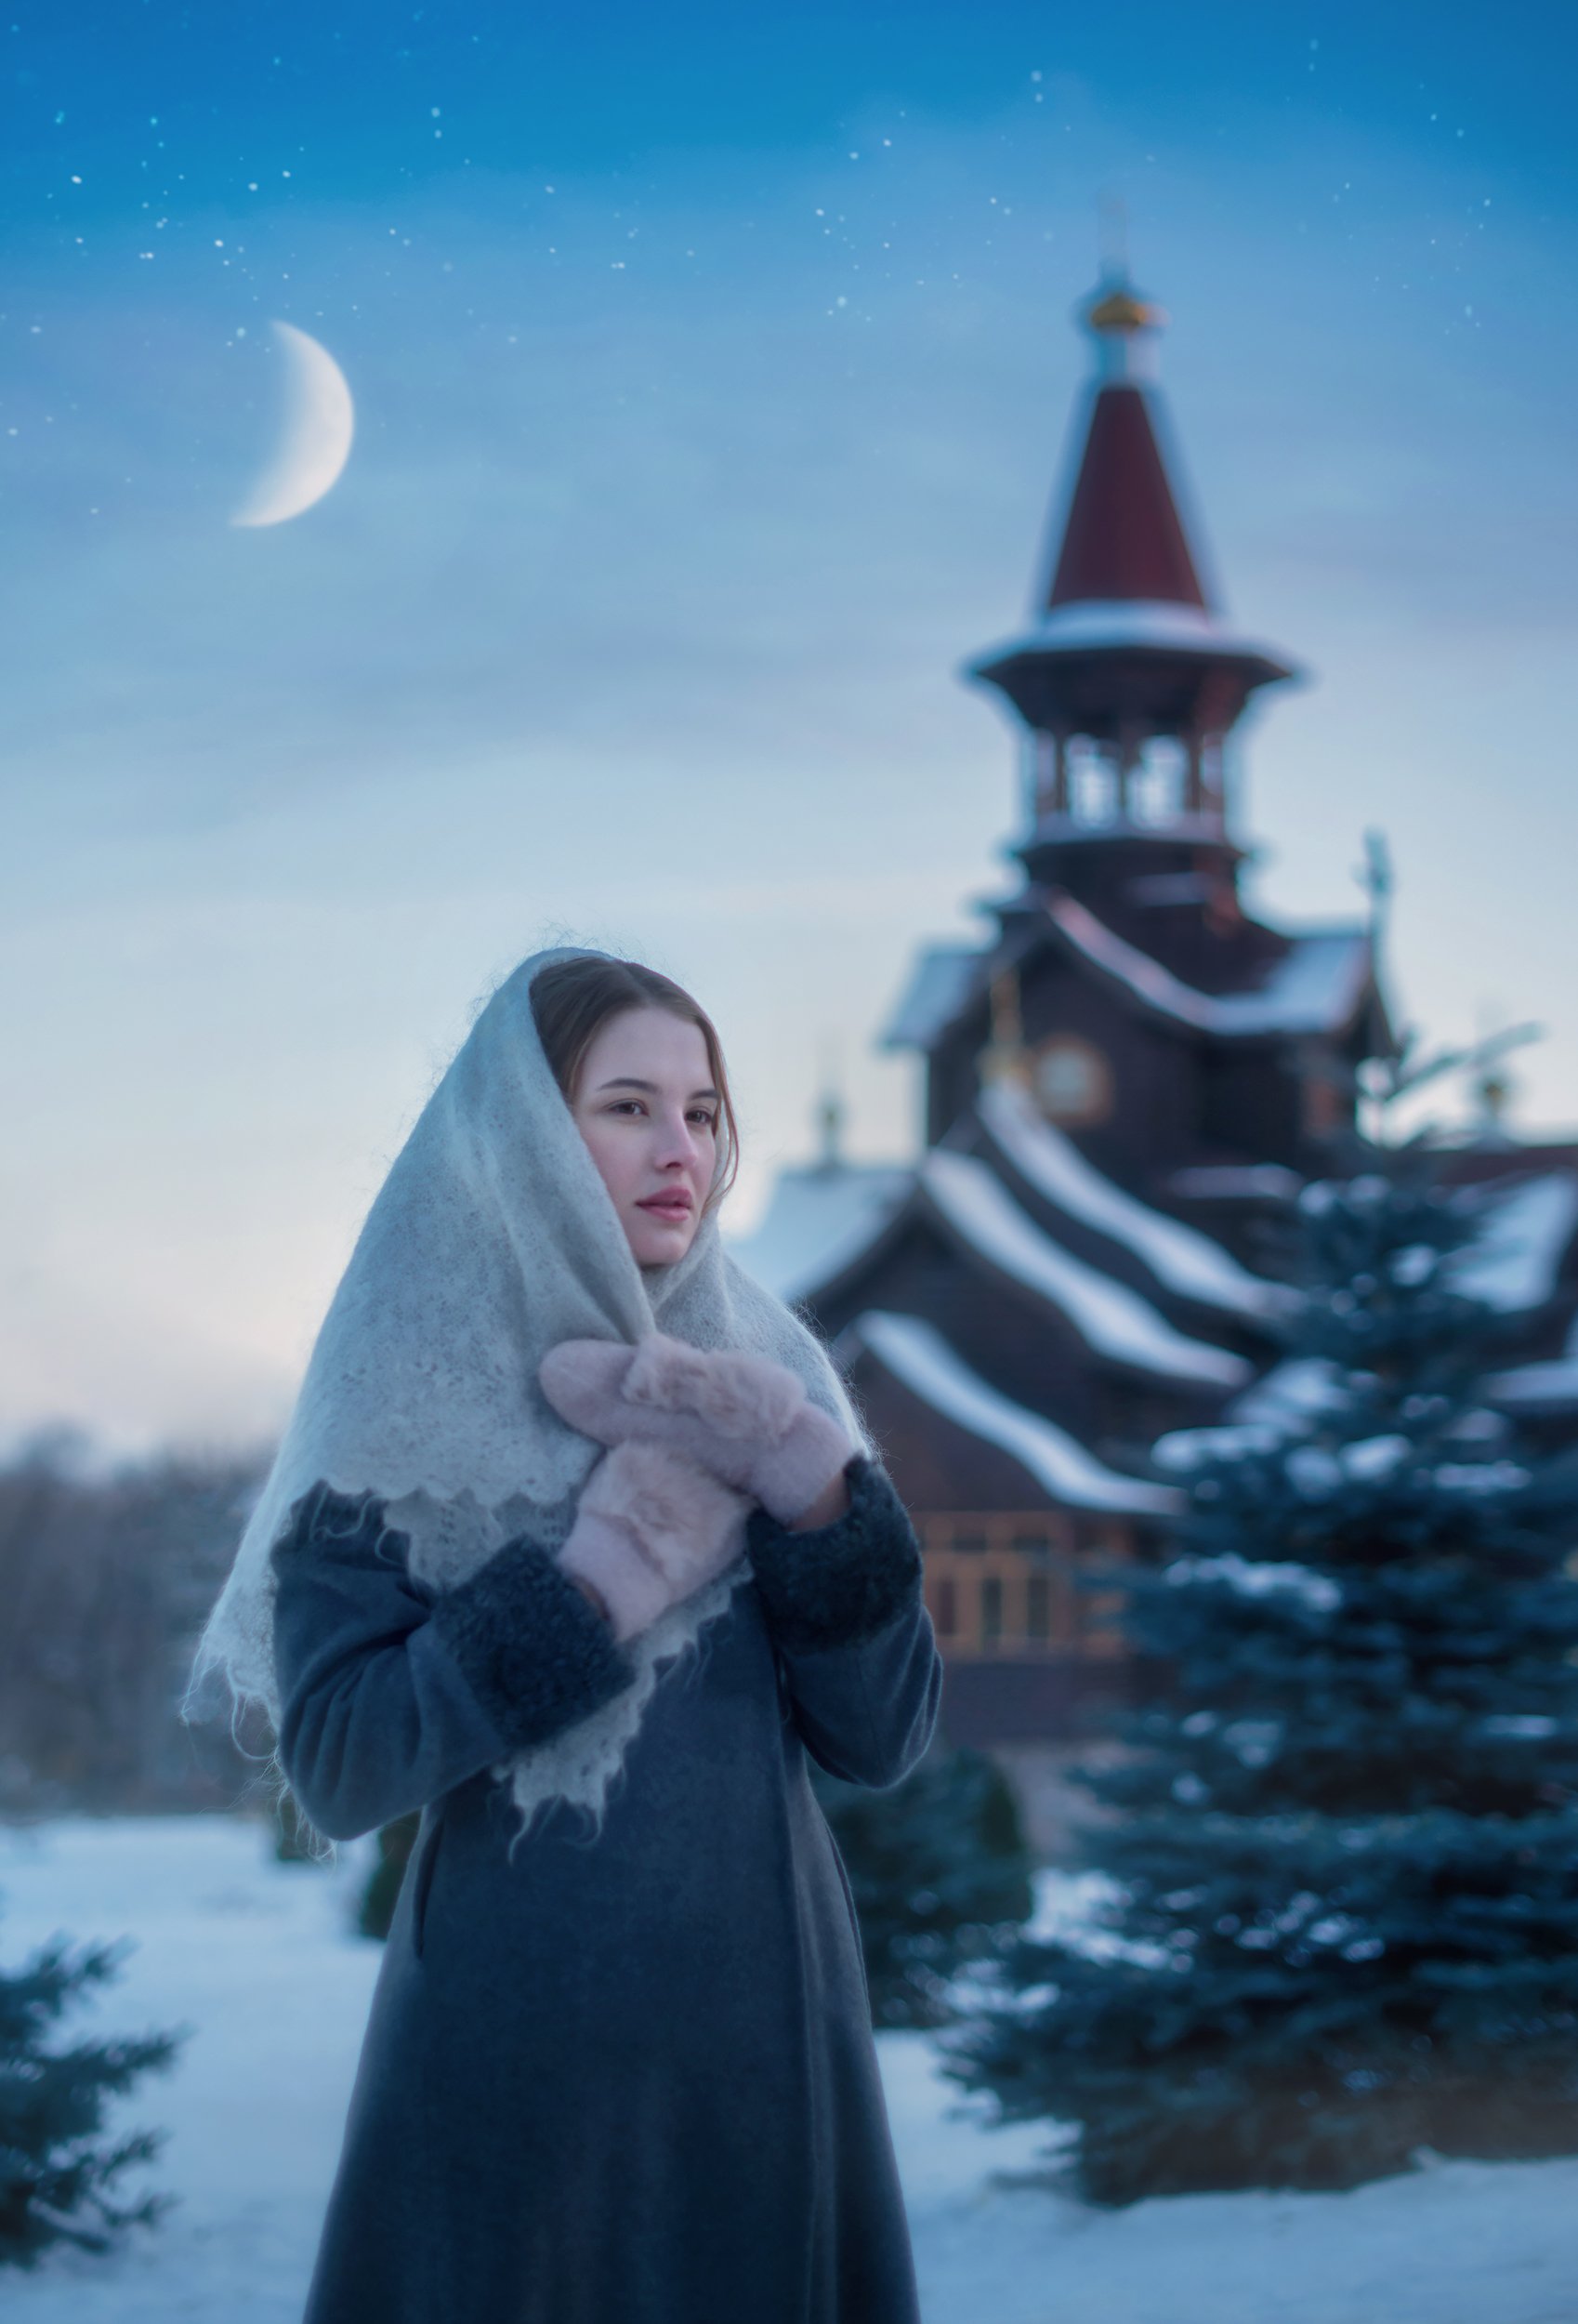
(1126, 1085)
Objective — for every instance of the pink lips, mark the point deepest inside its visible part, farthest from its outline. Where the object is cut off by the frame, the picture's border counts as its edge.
(675, 1205)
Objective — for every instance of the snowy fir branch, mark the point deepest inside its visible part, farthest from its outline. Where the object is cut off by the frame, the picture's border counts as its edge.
(56, 2178)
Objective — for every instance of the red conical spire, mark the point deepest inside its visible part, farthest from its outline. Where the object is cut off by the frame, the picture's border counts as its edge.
(1128, 679)
(1123, 537)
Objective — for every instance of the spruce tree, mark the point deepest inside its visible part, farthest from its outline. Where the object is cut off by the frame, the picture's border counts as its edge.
(938, 1870)
(55, 2174)
(1344, 1923)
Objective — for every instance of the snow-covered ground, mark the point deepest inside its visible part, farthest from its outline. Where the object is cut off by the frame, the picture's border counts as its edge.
(260, 1959)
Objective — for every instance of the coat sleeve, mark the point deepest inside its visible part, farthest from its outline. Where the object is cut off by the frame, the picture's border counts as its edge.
(393, 1692)
(851, 1632)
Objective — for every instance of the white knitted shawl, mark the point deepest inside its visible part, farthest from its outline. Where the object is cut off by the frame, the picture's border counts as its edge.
(492, 1239)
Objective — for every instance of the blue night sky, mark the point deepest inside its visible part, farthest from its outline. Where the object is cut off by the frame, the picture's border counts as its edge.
(711, 378)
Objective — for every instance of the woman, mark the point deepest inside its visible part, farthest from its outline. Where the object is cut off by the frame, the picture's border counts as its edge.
(575, 1544)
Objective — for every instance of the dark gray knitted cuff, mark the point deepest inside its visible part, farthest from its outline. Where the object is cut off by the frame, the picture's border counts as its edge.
(537, 1656)
(840, 1583)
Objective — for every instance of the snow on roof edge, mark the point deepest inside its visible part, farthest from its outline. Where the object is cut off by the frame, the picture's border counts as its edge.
(939, 985)
(1315, 988)
(1553, 1384)
(1181, 1257)
(1516, 1257)
(1084, 624)
(918, 1356)
(1113, 1319)
(818, 1222)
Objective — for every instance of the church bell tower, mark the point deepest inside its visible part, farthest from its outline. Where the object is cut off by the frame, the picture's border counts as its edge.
(1129, 681)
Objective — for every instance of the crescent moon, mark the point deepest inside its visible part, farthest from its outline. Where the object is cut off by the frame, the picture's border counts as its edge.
(319, 422)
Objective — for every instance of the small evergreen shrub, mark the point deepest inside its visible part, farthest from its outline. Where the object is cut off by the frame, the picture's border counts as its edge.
(939, 1873)
(56, 2175)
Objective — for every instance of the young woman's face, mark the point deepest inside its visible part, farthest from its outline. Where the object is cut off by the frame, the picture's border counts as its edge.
(646, 1105)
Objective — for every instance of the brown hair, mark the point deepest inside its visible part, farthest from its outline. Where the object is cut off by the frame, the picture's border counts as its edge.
(572, 1001)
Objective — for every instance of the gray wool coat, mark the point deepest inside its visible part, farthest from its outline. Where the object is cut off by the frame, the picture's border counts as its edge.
(629, 2080)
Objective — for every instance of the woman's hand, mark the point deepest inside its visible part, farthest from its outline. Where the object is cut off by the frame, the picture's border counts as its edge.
(830, 1504)
(651, 1528)
(742, 1417)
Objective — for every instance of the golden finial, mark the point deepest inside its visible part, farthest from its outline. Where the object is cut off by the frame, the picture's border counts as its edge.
(1116, 306)
(1121, 311)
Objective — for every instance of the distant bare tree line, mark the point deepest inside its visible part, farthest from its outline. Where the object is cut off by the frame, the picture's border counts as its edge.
(105, 1583)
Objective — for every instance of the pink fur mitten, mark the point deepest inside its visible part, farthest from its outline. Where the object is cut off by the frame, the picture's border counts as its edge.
(743, 1417)
(650, 1529)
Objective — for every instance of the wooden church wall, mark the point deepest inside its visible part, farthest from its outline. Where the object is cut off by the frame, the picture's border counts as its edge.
(1031, 1645)
(1151, 1100)
(951, 1073)
(1250, 1104)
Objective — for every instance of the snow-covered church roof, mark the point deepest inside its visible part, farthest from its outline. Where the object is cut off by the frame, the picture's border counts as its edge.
(946, 978)
(1180, 1256)
(820, 1216)
(1140, 623)
(1317, 986)
(1523, 1234)
(917, 1355)
(1113, 1320)
(825, 1219)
